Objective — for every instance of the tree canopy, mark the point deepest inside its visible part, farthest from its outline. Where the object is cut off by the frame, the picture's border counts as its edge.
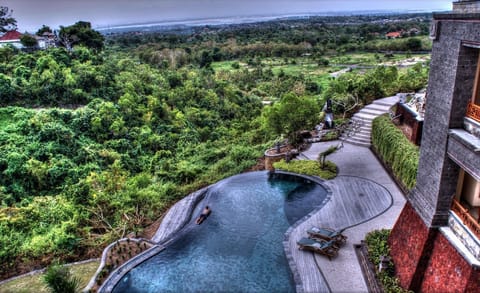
(292, 114)
(80, 33)
(44, 29)
(7, 22)
(28, 41)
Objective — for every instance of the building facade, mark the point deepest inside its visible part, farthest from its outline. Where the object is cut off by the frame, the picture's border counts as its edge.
(11, 38)
(435, 243)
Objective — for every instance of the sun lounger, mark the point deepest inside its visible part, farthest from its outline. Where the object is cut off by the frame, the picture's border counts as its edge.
(327, 248)
(328, 235)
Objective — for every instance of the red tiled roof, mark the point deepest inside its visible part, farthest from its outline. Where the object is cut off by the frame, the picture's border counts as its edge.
(11, 35)
(393, 34)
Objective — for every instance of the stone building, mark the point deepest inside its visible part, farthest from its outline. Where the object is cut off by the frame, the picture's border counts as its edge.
(435, 243)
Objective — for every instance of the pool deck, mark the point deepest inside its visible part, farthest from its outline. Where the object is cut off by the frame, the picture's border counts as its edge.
(364, 198)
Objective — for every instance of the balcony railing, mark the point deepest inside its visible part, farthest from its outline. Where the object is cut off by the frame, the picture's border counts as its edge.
(466, 218)
(473, 111)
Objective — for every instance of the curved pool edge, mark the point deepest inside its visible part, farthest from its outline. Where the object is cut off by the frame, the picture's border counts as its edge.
(171, 225)
(179, 215)
(286, 242)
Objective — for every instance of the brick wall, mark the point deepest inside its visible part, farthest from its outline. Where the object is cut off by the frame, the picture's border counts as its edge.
(424, 259)
(448, 271)
(410, 244)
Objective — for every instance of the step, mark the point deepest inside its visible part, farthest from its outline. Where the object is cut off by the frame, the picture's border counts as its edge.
(363, 138)
(365, 116)
(362, 129)
(391, 99)
(360, 139)
(365, 128)
(363, 123)
(372, 112)
(363, 135)
(386, 102)
(357, 140)
(364, 144)
(379, 107)
(360, 120)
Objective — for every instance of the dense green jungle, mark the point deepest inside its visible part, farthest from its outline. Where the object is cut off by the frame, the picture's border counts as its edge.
(99, 140)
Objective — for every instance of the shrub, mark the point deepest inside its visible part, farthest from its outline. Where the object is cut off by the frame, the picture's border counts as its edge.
(308, 167)
(377, 247)
(59, 279)
(395, 150)
(331, 135)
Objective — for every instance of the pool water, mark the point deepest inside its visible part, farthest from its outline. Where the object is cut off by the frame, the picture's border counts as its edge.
(238, 248)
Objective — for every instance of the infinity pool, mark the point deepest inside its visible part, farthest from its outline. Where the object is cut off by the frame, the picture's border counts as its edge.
(239, 247)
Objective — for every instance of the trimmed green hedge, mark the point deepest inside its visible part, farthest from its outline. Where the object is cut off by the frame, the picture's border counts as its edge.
(308, 167)
(396, 150)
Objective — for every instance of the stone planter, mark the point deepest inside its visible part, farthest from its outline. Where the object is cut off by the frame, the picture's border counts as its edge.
(272, 156)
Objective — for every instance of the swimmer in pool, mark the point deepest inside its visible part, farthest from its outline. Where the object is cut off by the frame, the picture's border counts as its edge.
(205, 213)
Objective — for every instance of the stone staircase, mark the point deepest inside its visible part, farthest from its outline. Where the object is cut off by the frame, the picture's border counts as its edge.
(362, 121)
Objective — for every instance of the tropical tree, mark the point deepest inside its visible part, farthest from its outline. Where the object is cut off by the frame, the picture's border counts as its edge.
(323, 155)
(81, 33)
(28, 41)
(7, 22)
(292, 114)
(414, 44)
(44, 29)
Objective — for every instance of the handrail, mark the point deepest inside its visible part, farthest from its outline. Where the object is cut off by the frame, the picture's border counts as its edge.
(466, 218)
(473, 111)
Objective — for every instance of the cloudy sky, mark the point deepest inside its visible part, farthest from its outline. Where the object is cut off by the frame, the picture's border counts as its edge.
(32, 14)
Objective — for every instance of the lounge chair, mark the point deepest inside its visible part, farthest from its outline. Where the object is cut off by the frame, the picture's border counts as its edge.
(328, 235)
(327, 248)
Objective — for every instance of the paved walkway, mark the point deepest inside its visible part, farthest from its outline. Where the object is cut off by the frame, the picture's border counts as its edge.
(363, 195)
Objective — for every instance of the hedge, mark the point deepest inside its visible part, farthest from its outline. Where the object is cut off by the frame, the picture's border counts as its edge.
(396, 150)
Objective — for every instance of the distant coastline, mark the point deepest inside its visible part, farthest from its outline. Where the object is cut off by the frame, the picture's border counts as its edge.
(187, 23)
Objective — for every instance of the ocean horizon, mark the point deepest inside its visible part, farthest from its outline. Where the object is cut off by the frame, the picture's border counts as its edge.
(218, 21)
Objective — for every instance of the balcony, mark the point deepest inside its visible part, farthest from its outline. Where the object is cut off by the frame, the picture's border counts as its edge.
(467, 219)
(466, 228)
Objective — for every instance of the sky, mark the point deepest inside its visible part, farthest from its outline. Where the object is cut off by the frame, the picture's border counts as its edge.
(32, 14)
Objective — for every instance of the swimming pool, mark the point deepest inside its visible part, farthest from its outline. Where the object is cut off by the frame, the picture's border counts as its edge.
(239, 248)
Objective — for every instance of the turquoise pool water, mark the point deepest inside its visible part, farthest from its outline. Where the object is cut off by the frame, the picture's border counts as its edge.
(239, 248)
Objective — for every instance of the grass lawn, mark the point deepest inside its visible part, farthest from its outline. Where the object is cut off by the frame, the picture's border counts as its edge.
(35, 282)
(309, 66)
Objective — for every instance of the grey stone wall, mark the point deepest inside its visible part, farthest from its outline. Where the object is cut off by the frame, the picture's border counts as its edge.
(464, 156)
(452, 74)
(465, 6)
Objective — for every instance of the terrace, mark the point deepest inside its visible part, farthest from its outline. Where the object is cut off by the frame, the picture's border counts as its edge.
(463, 149)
